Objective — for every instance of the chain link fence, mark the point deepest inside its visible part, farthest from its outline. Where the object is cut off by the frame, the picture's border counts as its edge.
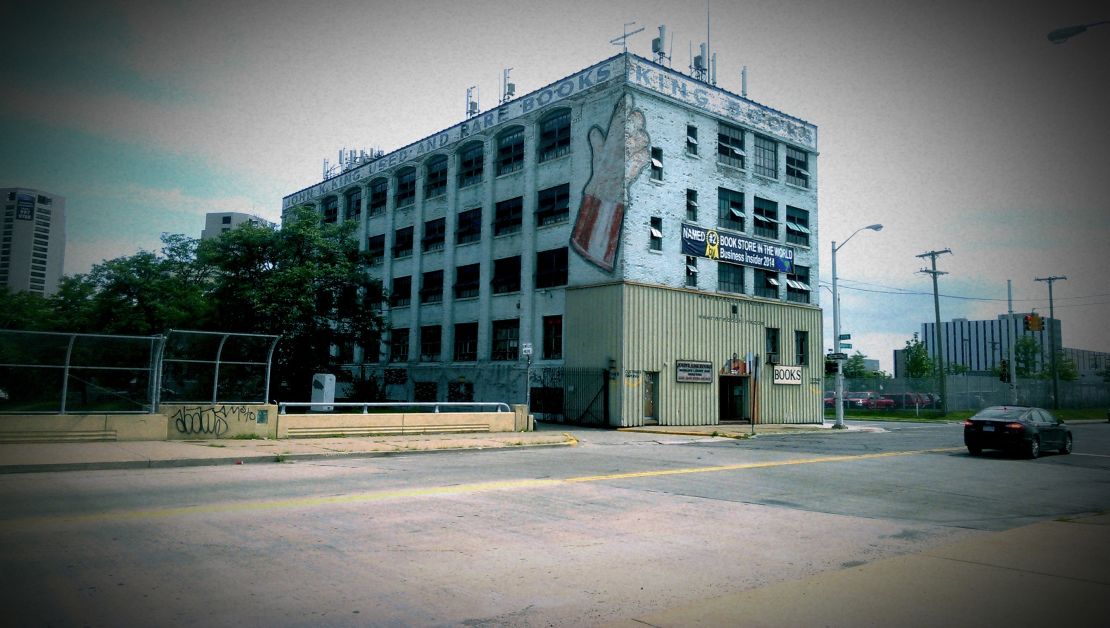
(69, 373)
(974, 392)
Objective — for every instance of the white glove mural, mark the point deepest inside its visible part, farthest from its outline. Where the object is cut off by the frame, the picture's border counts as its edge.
(597, 231)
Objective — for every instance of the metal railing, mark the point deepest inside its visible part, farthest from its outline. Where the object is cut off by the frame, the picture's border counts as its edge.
(435, 405)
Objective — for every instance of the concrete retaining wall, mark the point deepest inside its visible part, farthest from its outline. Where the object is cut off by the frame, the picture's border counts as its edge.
(207, 421)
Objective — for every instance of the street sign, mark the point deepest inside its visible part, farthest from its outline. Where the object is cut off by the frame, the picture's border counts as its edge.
(838, 356)
(526, 348)
(845, 345)
(845, 336)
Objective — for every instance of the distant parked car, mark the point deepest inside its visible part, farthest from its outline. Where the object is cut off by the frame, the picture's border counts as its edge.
(1020, 429)
(867, 399)
(830, 400)
(910, 400)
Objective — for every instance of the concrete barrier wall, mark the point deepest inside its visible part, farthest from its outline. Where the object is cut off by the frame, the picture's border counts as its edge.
(208, 421)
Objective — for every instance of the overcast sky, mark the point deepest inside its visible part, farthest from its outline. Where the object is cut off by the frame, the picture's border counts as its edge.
(954, 124)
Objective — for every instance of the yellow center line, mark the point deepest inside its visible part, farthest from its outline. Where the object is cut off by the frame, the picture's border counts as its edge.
(377, 496)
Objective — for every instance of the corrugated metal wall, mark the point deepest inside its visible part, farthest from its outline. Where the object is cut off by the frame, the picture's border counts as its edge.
(657, 326)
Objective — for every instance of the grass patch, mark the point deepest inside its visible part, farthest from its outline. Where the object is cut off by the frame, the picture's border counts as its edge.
(932, 416)
(216, 445)
(248, 437)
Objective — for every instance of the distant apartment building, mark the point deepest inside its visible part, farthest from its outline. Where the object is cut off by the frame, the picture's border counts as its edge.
(33, 241)
(216, 223)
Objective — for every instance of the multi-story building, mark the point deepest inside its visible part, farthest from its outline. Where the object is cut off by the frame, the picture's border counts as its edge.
(649, 237)
(216, 223)
(33, 240)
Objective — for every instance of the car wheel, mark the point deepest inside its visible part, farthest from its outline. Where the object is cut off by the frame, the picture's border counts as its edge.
(1033, 449)
(1066, 449)
(974, 450)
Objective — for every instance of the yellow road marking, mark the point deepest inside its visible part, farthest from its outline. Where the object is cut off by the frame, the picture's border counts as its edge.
(376, 496)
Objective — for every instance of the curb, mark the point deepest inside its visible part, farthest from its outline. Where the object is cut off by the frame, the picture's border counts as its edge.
(250, 459)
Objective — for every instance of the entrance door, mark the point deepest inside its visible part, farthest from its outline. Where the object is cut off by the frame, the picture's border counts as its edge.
(733, 398)
(651, 398)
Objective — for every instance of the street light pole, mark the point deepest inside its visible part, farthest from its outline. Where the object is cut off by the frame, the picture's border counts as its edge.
(839, 401)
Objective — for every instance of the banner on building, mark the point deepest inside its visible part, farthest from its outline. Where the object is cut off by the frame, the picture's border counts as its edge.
(692, 371)
(736, 249)
(25, 207)
(788, 375)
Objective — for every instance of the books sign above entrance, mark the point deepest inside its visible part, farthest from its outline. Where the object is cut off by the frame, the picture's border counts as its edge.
(691, 371)
(788, 375)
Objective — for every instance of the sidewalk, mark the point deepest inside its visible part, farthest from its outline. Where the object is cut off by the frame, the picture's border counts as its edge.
(1046, 574)
(745, 430)
(39, 457)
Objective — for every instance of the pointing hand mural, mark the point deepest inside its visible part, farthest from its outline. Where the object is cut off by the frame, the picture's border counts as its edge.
(619, 156)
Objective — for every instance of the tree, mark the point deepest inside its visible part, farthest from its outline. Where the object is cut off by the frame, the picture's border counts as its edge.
(1065, 367)
(24, 310)
(1026, 350)
(918, 363)
(307, 282)
(854, 367)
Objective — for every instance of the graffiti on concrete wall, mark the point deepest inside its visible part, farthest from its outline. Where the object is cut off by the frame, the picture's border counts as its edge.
(210, 420)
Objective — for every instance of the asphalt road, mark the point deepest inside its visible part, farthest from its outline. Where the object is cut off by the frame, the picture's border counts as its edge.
(620, 525)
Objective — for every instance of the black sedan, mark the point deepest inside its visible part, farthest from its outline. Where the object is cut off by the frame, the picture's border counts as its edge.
(1020, 429)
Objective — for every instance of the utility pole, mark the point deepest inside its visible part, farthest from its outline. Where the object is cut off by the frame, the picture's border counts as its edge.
(1013, 340)
(932, 255)
(1052, 340)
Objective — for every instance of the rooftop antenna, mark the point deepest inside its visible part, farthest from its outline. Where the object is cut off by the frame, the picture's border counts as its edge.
(697, 67)
(622, 40)
(713, 70)
(658, 45)
(471, 102)
(744, 81)
(508, 90)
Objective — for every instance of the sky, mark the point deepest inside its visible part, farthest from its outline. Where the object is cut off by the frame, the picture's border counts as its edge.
(954, 124)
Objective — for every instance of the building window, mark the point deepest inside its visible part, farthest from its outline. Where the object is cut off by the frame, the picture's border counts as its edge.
(551, 268)
(656, 164)
(406, 188)
(331, 209)
(691, 272)
(772, 347)
(730, 278)
(554, 135)
(691, 204)
(354, 204)
(379, 192)
(435, 231)
(471, 162)
(553, 205)
(469, 228)
(766, 284)
(466, 342)
(766, 157)
(506, 340)
(801, 348)
(655, 234)
(506, 275)
(766, 215)
(467, 281)
(399, 345)
(431, 287)
(730, 209)
(797, 285)
(691, 139)
(797, 226)
(508, 215)
(226, 220)
(375, 248)
(400, 294)
(730, 145)
(510, 151)
(552, 337)
(460, 391)
(797, 167)
(425, 391)
(402, 242)
(431, 340)
(435, 177)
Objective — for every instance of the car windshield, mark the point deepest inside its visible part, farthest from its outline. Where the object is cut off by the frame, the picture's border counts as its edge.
(1001, 412)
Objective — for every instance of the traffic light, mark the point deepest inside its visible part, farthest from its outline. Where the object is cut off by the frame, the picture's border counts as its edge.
(1004, 371)
(1028, 322)
(830, 367)
(1036, 323)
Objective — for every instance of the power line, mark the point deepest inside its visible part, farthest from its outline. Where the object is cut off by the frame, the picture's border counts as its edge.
(893, 290)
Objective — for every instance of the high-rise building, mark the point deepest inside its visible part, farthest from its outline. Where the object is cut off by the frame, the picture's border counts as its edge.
(565, 246)
(33, 240)
(216, 223)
